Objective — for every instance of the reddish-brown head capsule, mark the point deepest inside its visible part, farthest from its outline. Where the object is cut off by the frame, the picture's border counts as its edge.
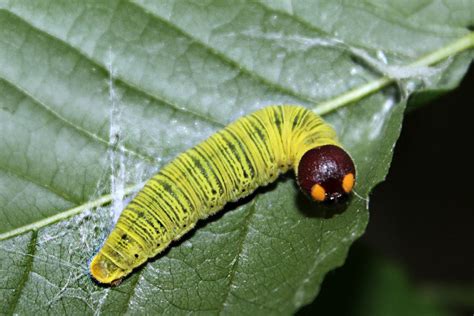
(326, 173)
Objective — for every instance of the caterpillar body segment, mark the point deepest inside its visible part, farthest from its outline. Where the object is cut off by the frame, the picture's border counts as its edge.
(230, 165)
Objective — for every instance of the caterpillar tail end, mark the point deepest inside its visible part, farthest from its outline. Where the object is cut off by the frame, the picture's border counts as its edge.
(105, 271)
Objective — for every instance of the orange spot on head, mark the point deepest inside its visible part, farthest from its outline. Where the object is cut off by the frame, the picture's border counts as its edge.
(318, 193)
(348, 182)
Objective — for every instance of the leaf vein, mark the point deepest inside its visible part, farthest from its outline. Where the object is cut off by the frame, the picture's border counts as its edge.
(40, 184)
(244, 234)
(159, 98)
(25, 276)
(228, 60)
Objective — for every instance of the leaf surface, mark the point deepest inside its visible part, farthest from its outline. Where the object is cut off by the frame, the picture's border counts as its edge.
(98, 95)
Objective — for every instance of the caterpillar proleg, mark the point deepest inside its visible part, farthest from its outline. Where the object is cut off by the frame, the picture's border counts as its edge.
(231, 164)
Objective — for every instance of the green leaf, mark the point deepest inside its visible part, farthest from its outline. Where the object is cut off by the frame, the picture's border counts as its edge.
(97, 95)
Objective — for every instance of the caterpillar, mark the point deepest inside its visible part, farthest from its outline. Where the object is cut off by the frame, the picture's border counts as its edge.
(231, 164)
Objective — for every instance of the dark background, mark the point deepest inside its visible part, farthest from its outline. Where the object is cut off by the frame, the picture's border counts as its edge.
(422, 215)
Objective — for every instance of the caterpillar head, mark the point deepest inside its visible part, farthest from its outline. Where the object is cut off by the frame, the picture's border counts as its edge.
(326, 173)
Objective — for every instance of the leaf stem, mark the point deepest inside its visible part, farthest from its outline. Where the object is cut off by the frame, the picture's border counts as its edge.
(331, 105)
(358, 93)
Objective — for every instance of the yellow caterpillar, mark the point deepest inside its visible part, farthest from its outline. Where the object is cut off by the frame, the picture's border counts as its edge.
(231, 164)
